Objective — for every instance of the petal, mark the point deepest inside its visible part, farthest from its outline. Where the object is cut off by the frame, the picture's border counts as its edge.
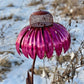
(40, 44)
(48, 43)
(20, 37)
(24, 44)
(63, 37)
(32, 45)
(60, 26)
(56, 42)
(66, 35)
(62, 29)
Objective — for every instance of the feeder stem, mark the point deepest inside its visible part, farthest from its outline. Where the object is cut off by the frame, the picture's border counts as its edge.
(33, 69)
(29, 79)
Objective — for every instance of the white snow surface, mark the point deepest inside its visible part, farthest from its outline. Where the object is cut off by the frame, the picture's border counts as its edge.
(11, 29)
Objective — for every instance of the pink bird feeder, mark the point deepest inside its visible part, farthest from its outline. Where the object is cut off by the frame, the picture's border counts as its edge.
(42, 37)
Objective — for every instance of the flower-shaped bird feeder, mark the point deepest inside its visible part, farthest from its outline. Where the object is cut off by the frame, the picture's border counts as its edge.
(41, 37)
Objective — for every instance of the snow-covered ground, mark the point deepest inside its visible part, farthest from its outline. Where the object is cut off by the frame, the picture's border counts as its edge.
(10, 28)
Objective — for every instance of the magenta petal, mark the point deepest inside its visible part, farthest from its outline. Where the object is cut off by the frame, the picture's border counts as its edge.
(56, 42)
(60, 26)
(32, 45)
(63, 37)
(62, 29)
(24, 44)
(20, 37)
(48, 43)
(64, 41)
(40, 44)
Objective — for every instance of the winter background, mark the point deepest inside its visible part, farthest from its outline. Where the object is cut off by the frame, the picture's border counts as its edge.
(14, 15)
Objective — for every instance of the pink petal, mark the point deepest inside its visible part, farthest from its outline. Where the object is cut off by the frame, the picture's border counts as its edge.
(63, 37)
(40, 44)
(32, 45)
(56, 42)
(66, 34)
(60, 26)
(48, 43)
(62, 29)
(20, 37)
(24, 44)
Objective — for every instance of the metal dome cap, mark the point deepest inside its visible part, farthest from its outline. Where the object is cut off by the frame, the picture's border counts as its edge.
(41, 19)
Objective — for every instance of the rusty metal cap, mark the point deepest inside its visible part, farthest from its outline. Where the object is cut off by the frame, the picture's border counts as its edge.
(41, 19)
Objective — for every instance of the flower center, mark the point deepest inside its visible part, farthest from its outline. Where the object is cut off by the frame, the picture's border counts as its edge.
(41, 19)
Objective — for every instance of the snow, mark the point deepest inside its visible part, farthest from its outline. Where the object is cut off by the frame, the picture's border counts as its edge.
(9, 29)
